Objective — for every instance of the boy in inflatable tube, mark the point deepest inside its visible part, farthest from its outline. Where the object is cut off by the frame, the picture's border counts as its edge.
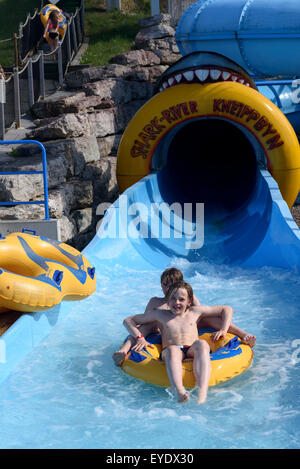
(179, 331)
(168, 278)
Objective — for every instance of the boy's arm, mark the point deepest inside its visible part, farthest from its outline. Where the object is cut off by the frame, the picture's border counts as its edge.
(224, 312)
(131, 323)
(196, 302)
(151, 305)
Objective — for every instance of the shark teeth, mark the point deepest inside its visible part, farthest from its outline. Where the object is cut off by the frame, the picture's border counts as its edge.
(189, 75)
(202, 75)
(215, 74)
(225, 75)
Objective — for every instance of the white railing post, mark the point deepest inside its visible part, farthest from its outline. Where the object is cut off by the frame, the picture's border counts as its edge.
(17, 97)
(42, 74)
(111, 4)
(59, 63)
(155, 7)
(30, 84)
(2, 102)
(75, 43)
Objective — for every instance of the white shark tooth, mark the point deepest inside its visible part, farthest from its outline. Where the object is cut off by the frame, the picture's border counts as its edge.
(171, 81)
(241, 80)
(215, 74)
(189, 75)
(225, 75)
(202, 74)
(178, 77)
(247, 84)
(165, 85)
(160, 89)
(234, 78)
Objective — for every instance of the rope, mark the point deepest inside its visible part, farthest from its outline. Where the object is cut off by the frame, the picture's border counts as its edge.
(6, 40)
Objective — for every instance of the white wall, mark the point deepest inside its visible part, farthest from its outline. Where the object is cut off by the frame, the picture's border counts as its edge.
(175, 7)
(111, 4)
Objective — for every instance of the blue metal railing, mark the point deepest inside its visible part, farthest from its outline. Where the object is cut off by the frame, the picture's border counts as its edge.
(43, 172)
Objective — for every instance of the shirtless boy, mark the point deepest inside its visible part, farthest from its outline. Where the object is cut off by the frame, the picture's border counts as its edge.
(179, 331)
(168, 278)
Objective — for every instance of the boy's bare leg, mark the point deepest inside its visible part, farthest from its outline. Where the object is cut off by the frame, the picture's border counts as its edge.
(202, 367)
(120, 355)
(216, 323)
(172, 355)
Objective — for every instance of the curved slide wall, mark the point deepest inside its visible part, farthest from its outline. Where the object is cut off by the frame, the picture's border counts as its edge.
(262, 37)
(215, 144)
(209, 136)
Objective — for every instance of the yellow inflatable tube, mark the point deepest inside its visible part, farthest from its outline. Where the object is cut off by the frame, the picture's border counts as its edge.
(226, 100)
(229, 358)
(37, 273)
(62, 24)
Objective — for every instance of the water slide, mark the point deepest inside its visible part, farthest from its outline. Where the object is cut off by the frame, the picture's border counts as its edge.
(210, 135)
(208, 168)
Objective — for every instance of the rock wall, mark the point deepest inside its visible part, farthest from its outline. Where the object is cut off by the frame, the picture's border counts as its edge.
(81, 128)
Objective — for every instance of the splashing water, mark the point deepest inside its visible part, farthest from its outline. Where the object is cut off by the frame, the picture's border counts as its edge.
(68, 393)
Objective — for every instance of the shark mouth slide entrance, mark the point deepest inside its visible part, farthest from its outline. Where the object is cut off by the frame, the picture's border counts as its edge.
(223, 145)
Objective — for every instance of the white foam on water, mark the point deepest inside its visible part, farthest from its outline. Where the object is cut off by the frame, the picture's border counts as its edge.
(69, 394)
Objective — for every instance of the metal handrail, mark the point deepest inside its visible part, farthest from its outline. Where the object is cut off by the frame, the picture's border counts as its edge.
(43, 172)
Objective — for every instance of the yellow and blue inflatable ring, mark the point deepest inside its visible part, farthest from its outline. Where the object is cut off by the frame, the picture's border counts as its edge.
(37, 273)
(44, 16)
(229, 358)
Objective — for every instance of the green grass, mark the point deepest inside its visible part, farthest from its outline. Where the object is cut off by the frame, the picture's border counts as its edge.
(11, 14)
(110, 33)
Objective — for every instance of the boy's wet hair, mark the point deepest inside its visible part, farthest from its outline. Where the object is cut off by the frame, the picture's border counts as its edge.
(171, 275)
(184, 285)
